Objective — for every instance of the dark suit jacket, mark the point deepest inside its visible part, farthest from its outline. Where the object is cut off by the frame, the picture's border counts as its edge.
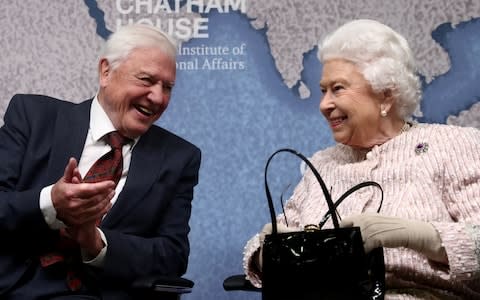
(147, 227)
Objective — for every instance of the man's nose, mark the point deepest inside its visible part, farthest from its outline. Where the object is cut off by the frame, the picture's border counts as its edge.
(156, 93)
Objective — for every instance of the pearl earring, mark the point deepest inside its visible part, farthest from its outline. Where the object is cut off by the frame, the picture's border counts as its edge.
(383, 113)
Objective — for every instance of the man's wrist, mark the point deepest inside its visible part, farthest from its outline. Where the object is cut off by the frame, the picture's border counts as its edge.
(93, 248)
(48, 210)
(96, 260)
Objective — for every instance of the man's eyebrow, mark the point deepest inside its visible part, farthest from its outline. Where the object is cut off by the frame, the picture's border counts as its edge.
(143, 72)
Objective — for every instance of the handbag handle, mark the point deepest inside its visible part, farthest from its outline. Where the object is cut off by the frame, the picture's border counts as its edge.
(348, 193)
(328, 197)
(331, 206)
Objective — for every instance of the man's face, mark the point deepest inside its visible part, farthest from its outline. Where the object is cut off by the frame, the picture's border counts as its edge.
(137, 92)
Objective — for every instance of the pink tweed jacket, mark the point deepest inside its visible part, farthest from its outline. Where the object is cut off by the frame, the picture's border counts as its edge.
(429, 173)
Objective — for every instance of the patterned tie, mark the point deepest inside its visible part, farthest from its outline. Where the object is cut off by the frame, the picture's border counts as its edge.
(110, 165)
(107, 167)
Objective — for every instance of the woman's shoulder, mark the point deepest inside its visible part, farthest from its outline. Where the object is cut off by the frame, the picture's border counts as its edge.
(451, 138)
(443, 131)
(444, 127)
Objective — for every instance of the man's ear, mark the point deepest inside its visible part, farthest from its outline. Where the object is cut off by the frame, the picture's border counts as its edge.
(104, 71)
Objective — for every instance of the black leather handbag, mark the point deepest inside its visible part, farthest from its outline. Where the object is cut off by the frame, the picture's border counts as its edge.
(320, 263)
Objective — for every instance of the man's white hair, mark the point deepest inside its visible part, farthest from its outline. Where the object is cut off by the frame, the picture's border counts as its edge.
(122, 42)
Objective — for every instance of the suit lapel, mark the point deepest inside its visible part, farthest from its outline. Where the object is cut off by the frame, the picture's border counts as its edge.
(71, 129)
(147, 155)
(69, 139)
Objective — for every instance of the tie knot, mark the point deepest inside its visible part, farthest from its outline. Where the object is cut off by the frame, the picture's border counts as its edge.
(116, 140)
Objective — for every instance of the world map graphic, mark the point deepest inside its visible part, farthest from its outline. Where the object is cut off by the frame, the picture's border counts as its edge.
(248, 89)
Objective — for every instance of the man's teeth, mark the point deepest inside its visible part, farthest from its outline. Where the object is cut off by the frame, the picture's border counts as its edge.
(144, 110)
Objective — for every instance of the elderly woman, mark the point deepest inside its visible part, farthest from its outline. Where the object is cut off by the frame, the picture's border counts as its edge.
(429, 224)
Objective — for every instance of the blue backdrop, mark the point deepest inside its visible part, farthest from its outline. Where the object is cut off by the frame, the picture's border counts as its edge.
(237, 117)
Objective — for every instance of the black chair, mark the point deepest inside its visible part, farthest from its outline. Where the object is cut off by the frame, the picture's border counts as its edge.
(161, 288)
(239, 283)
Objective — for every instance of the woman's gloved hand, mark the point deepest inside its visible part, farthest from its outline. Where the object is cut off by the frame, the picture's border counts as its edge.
(267, 229)
(390, 232)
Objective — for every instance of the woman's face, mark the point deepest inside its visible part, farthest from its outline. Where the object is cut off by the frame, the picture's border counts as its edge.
(350, 106)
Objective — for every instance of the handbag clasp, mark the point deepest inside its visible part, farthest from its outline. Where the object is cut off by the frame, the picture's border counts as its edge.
(311, 228)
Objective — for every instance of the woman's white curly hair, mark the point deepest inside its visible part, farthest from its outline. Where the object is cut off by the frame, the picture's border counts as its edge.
(383, 57)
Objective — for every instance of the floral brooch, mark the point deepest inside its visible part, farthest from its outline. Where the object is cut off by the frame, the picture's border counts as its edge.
(421, 148)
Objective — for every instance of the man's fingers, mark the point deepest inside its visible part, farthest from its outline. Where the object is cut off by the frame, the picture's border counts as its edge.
(95, 213)
(87, 211)
(89, 203)
(89, 190)
(69, 169)
(97, 205)
(77, 177)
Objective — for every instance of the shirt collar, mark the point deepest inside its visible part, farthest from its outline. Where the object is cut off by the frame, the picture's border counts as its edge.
(100, 123)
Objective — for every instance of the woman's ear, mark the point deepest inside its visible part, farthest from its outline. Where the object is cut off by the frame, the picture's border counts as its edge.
(388, 101)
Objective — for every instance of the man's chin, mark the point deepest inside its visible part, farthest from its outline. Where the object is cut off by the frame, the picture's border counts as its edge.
(138, 127)
(134, 132)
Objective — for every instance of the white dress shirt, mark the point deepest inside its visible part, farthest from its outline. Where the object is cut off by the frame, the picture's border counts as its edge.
(94, 148)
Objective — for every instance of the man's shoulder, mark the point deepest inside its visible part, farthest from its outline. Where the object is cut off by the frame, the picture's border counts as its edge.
(33, 110)
(161, 134)
(37, 101)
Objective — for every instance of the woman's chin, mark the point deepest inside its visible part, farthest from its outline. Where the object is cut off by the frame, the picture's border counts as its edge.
(340, 138)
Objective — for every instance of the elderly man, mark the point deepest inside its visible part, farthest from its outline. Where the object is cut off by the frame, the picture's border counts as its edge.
(92, 195)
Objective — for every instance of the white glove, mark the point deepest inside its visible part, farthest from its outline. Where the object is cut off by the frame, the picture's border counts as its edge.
(390, 232)
(267, 229)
